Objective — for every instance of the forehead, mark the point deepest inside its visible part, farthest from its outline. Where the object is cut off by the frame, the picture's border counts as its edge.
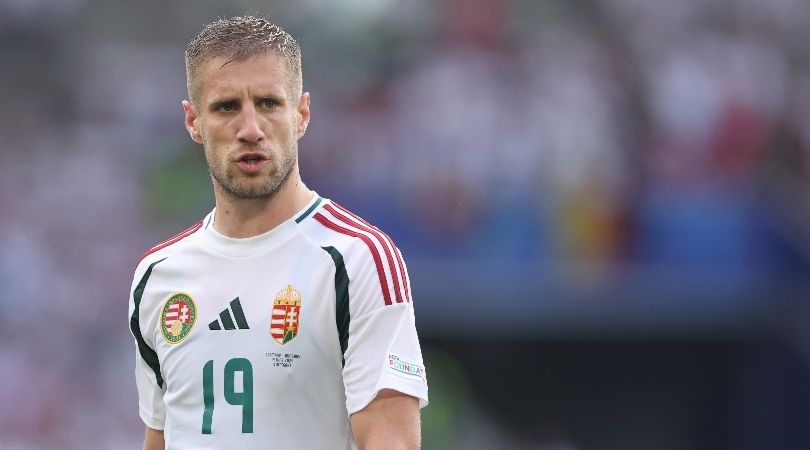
(260, 74)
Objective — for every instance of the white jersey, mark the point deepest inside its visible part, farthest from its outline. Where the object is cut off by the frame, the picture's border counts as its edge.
(272, 341)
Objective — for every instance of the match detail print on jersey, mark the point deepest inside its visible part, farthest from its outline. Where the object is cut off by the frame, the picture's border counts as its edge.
(177, 318)
(285, 318)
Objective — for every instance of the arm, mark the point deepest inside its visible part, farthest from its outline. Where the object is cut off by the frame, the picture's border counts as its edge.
(147, 373)
(153, 440)
(390, 421)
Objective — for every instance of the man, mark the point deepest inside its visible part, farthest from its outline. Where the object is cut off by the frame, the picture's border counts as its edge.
(280, 320)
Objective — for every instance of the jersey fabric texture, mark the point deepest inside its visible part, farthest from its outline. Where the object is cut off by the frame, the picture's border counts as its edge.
(272, 341)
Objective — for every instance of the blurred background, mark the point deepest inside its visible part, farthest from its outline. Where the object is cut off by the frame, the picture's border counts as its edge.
(604, 204)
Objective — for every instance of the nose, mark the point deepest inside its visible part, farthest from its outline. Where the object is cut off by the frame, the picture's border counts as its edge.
(250, 130)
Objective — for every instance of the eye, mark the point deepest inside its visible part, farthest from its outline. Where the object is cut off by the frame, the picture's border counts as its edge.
(226, 106)
(268, 103)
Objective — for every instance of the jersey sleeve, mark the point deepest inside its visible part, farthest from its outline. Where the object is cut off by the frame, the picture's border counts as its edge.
(147, 377)
(150, 396)
(383, 348)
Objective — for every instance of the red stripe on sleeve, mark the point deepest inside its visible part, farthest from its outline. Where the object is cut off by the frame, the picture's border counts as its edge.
(367, 228)
(374, 252)
(393, 246)
(183, 234)
(405, 280)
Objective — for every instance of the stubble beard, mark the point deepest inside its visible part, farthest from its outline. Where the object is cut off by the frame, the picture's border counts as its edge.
(238, 186)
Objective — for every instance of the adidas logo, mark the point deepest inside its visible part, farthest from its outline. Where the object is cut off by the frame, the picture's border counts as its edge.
(226, 319)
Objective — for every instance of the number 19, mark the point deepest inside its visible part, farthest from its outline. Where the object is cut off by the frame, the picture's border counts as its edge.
(244, 398)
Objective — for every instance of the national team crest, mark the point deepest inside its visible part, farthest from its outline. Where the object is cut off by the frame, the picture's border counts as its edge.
(177, 318)
(285, 320)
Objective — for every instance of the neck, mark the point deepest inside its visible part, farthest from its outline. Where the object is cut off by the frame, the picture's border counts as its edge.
(239, 218)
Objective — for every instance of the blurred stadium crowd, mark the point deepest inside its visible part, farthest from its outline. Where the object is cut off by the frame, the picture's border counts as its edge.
(599, 133)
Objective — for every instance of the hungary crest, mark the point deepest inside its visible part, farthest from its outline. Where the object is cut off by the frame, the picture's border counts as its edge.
(285, 320)
(177, 318)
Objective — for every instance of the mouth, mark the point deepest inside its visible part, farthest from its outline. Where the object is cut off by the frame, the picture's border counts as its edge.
(251, 162)
(251, 159)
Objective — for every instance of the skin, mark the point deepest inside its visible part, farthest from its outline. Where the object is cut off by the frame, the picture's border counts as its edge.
(153, 440)
(251, 107)
(390, 422)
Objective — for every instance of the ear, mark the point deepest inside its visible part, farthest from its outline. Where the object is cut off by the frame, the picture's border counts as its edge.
(303, 114)
(191, 121)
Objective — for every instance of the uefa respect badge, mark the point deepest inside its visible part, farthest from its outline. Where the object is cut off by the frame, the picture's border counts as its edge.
(406, 368)
(177, 318)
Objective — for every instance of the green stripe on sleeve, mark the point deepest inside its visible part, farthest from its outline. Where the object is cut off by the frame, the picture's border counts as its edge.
(341, 299)
(147, 353)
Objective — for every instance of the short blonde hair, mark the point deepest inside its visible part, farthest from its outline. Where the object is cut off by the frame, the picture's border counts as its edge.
(239, 38)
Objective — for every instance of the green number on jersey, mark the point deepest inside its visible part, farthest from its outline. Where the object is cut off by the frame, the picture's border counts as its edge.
(244, 398)
(208, 396)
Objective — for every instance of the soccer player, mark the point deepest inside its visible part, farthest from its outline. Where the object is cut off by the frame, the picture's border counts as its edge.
(280, 320)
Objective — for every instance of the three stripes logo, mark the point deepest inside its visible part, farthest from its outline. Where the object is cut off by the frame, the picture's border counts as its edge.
(226, 320)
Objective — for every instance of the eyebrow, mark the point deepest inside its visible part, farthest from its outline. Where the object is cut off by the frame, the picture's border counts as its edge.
(221, 101)
(275, 97)
(278, 98)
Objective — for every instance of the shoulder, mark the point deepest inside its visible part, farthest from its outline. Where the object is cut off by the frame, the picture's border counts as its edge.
(330, 224)
(368, 252)
(163, 249)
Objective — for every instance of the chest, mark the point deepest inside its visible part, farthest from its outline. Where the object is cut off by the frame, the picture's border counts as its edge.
(275, 314)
